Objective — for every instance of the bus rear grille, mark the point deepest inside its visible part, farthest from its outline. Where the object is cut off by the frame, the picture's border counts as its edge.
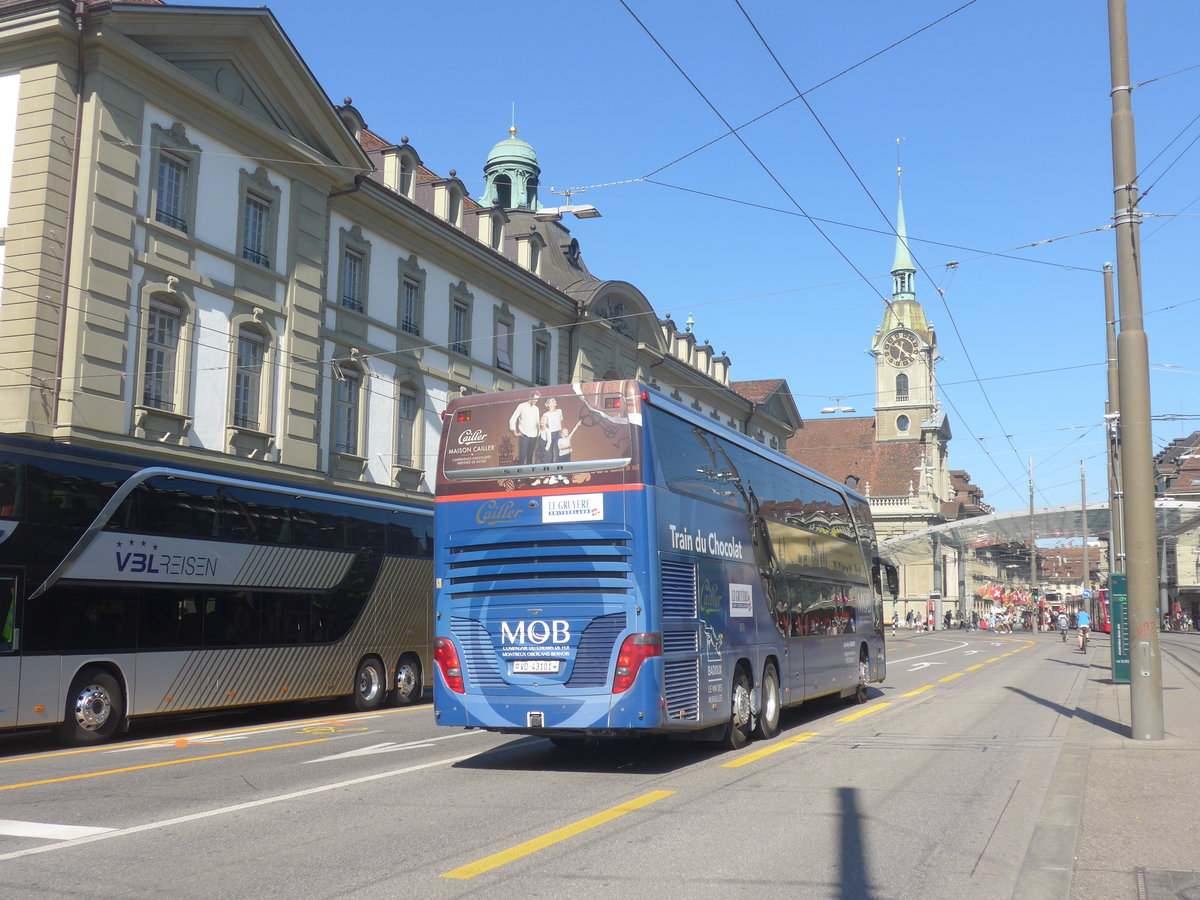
(678, 589)
(496, 568)
(682, 678)
(595, 651)
(479, 653)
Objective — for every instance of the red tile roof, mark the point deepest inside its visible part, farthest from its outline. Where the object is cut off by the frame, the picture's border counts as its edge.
(841, 448)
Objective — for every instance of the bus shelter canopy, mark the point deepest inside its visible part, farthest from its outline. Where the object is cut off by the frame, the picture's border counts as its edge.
(1172, 517)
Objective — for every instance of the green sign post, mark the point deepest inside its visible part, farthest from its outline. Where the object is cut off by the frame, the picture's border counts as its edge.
(1118, 602)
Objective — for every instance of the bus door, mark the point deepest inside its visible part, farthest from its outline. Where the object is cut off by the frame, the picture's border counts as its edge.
(10, 661)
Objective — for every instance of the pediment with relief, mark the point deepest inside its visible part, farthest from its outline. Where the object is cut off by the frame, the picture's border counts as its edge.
(246, 60)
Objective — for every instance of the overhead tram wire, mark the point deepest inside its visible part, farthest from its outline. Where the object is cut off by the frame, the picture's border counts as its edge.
(800, 94)
(767, 169)
(941, 295)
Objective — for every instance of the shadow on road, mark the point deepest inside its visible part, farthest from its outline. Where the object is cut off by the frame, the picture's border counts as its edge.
(1100, 721)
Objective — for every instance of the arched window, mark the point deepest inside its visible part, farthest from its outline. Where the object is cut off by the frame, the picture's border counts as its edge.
(503, 191)
(251, 353)
(901, 387)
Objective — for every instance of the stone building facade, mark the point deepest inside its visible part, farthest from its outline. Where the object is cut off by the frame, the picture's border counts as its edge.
(202, 257)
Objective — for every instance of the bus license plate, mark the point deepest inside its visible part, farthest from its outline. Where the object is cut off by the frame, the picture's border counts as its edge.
(535, 665)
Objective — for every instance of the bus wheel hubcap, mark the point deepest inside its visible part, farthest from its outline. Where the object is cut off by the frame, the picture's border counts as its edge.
(92, 707)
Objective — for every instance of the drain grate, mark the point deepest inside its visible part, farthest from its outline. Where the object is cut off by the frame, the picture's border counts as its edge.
(1163, 884)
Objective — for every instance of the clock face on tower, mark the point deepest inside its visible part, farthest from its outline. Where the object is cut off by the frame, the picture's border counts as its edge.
(900, 348)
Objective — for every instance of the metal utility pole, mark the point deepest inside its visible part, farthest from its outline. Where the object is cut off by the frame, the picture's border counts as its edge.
(1112, 418)
(1033, 566)
(1133, 378)
(1087, 581)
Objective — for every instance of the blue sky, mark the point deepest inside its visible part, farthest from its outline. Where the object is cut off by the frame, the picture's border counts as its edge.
(1003, 110)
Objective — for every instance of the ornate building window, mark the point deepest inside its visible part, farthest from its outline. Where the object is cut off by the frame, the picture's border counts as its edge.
(258, 225)
(407, 407)
(502, 342)
(347, 408)
(251, 354)
(412, 296)
(176, 164)
(901, 387)
(541, 354)
(461, 302)
(356, 256)
(164, 324)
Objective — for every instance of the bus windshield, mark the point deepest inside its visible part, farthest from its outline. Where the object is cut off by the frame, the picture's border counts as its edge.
(563, 435)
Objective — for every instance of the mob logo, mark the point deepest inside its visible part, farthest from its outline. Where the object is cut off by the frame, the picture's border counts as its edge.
(538, 632)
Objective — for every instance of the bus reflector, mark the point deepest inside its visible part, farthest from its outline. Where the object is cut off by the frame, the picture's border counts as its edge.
(445, 654)
(636, 649)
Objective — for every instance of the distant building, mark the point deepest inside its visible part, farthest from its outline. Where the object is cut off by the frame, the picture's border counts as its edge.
(899, 458)
(1177, 476)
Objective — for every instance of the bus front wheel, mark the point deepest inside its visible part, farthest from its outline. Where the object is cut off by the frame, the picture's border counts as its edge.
(370, 684)
(768, 714)
(95, 706)
(741, 718)
(408, 687)
(864, 677)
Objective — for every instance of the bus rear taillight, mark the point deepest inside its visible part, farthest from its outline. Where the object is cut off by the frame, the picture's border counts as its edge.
(636, 649)
(445, 654)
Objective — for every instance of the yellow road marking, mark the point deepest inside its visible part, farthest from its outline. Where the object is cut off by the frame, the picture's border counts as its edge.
(767, 751)
(952, 677)
(540, 843)
(155, 765)
(993, 659)
(974, 667)
(920, 690)
(863, 712)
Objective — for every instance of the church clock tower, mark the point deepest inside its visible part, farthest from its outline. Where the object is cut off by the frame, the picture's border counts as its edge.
(905, 351)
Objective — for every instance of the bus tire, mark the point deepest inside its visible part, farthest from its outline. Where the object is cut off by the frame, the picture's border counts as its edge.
(771, 703)
(864, 677)
(370, 685)
(95, 708)
(408, 686)
(741, 717)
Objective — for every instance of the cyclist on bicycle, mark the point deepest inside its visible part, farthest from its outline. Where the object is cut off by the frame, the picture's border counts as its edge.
(1083, 622)
(1062, 624)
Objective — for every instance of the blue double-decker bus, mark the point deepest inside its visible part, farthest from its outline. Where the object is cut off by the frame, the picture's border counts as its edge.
(610, 563)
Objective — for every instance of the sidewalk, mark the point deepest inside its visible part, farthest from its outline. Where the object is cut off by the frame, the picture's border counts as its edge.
(1121, 818)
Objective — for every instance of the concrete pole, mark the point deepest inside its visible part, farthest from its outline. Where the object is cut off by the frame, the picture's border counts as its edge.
(1033, 559)
(1133, 378)
(1112, 415)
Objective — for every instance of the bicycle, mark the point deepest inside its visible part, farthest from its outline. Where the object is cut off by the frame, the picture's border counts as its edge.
(1083, 638)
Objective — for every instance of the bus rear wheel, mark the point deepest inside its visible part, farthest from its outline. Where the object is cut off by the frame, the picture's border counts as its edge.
(741, 718)
(95, 707)
(864, 677)
(408, 686)
(768, 714)
(369, 685)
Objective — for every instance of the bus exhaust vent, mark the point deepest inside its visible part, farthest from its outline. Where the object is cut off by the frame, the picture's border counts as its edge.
(479, 653)
(678, 589)
(595, 650)
(682, 679)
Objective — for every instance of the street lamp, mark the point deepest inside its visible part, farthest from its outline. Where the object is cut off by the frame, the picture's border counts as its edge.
(837, 409)
(579, 211)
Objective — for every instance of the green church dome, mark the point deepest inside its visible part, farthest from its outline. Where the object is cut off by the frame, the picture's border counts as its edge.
(512, 149)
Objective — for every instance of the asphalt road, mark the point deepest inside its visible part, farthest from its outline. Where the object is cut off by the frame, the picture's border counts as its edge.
(930, 790)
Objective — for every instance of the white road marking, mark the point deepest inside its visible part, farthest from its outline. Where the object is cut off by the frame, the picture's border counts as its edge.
(225, 810)
(46, 831)
(925, 665)
(892, 662)
(389, 746)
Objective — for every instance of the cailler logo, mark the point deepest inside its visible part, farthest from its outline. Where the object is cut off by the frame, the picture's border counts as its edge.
(472, 436)
(496, 513)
